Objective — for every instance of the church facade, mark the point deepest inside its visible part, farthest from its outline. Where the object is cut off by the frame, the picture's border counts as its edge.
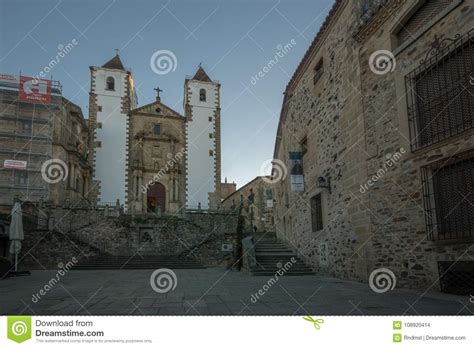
(156, 164)
(151, 158)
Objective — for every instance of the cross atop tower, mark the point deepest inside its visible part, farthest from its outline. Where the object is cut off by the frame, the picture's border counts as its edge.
(117, 51)
(158, 90)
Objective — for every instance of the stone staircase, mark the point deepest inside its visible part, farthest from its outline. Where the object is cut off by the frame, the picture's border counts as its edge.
(110, 262)
(272, 255)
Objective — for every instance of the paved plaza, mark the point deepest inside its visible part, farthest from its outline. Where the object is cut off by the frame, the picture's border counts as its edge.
(214, 291)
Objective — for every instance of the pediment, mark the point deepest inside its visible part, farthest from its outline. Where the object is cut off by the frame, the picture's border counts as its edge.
(156, 108)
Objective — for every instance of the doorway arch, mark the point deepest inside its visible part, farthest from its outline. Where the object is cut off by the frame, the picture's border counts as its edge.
(156, 197)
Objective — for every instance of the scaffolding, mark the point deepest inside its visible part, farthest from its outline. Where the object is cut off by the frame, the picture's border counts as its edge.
(26, 136)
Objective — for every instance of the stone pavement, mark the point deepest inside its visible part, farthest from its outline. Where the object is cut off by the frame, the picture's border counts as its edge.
(214, 291)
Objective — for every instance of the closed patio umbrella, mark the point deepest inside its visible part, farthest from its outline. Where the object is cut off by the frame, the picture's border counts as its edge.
(16, 232)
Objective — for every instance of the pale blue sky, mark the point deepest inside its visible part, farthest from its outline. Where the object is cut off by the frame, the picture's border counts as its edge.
(233, 40)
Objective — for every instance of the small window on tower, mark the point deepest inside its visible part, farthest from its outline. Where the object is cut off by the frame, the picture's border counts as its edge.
(202, 95)
(211, 135)
(157, 129)
(110, 84)
(211, 153)
(99, 108)
(210, 118)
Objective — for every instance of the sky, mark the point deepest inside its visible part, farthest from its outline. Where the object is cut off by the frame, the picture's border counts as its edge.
(234, 41)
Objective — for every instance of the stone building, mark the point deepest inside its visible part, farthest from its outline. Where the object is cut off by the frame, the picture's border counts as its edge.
(385, 97)
(44, 145)
(112, 96)
(71, 144)
(156, 164)
(227, 188)
(256, 198)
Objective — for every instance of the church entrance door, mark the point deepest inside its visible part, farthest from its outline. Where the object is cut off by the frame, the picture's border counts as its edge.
(156, 197)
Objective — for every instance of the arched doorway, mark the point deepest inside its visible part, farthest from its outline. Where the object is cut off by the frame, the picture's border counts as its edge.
(156, 197)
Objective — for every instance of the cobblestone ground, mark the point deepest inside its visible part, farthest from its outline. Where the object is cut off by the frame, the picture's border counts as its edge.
(214, 291)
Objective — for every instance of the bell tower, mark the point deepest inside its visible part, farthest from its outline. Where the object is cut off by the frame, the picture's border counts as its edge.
(203, 141)
(112, 96)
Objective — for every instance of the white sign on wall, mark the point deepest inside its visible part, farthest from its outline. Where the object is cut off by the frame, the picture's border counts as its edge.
(14, 164)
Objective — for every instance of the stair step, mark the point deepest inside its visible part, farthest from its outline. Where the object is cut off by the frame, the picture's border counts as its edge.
(104, 262)
(264, 273)
(269, 254)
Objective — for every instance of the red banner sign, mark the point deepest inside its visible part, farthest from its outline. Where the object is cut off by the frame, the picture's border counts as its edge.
(34, 91)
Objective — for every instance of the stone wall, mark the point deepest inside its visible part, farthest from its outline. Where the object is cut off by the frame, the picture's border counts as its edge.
(65, 220)
(199, 235)
(396, 201)
(44, 249)
(355, 121)
(329, 108)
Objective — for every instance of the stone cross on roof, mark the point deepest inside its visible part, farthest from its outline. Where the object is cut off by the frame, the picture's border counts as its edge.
(158, 90)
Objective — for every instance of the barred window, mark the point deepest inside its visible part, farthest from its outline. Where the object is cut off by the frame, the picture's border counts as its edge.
(448, 193)
(316, 213)
(426, 12)
(21, 178)
(440, 93)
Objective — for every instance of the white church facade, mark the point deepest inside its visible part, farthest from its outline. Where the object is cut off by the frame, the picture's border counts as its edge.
(115, 118)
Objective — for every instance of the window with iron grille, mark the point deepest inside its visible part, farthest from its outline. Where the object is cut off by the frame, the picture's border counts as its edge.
(21, 178)
(448, 194)
(428, 10)
(440, 92)
(316, 213)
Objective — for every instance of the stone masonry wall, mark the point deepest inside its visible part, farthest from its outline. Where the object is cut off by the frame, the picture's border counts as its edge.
(355, 121)
(396, 200)
(328, 114)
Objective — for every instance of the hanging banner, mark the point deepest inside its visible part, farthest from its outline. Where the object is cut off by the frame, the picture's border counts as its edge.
(34, 91)
(296, 171)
